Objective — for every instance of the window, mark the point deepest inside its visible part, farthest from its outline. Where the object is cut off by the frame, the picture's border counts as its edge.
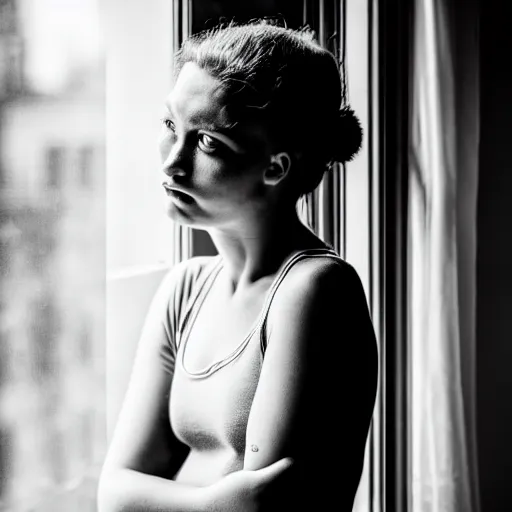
(53, 132)
(5, 458)
(54, 167)
(85, 166)
(44, 318)
(346, 210)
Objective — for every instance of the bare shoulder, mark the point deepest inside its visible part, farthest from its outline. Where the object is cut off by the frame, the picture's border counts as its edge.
(320, 280)
(320, 303)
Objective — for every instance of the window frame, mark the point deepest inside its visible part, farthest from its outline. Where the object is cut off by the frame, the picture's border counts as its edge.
(395, 25)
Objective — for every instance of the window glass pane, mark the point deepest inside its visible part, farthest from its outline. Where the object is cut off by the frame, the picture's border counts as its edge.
(52, 253)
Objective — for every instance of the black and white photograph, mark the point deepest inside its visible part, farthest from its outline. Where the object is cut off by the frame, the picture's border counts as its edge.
(255, 256)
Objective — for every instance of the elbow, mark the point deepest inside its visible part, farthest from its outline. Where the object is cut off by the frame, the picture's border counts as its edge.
(108, 492)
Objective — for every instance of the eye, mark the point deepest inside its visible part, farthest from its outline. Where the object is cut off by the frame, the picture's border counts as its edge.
(169, 124)
(208, 144)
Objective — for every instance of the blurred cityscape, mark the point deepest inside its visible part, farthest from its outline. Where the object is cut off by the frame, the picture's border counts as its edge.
(52, 204)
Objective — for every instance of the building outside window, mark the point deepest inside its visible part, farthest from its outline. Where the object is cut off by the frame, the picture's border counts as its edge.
(52, 307)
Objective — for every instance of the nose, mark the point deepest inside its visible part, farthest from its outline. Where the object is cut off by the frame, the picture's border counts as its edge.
(176, 159)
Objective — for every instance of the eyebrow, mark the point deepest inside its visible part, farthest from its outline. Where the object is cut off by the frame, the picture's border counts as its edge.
(229, 129)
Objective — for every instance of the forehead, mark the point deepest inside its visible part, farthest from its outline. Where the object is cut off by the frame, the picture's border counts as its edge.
(200, 100)
(198, 97)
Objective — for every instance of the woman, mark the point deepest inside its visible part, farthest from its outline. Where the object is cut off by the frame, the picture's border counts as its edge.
(256, 373)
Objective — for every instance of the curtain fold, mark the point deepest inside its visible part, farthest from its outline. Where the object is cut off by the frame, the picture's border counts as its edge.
(442, 248)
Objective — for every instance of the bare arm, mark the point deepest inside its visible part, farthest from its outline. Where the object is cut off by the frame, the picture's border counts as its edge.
(320, 365)
(144, 454)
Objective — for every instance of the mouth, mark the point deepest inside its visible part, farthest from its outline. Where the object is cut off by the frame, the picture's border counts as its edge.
(177, 194)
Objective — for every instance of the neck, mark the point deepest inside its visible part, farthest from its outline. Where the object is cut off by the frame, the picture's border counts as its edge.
(257, 247)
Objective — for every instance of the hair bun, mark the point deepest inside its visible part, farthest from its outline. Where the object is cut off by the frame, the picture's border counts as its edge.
(348, 136)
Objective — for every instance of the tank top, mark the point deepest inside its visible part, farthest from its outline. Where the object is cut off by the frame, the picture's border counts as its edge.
(209, 408)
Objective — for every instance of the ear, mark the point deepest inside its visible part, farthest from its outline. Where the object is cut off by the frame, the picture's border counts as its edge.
(278, 169)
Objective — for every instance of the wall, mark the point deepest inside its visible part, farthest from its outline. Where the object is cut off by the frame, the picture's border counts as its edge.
(128, 298)
(138, 79)
(494, 266)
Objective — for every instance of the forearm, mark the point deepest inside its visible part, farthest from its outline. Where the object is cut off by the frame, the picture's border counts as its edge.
(125, 490)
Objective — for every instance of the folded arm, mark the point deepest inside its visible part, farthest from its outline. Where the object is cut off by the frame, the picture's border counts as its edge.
(144, 454)
(320, 365)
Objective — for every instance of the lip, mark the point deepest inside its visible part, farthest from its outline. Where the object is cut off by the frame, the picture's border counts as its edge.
(170, 188)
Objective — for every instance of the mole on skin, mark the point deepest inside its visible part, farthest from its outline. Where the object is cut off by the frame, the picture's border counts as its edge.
(254, 448)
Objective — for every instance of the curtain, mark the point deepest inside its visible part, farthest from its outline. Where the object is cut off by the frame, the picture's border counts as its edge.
(442, 252)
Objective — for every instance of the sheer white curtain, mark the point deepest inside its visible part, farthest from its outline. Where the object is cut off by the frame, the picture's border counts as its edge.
(442, 248)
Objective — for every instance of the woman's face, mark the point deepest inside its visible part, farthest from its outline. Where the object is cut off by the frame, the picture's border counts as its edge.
(212, 170)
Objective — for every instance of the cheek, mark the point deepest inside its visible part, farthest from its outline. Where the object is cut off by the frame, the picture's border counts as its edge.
(209, 171)
(165, 143)
(244, 183)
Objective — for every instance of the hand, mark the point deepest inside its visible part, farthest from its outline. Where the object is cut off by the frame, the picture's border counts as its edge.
(243, 491)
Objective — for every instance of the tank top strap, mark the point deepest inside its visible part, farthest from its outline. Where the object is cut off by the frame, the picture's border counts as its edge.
(201, 288)
(301, 255)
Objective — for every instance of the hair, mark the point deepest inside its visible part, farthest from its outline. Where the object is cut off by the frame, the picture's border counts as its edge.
(284, 79)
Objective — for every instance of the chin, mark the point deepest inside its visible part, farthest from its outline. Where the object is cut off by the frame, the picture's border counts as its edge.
(193, 216)
(184, 217)
(179, 217)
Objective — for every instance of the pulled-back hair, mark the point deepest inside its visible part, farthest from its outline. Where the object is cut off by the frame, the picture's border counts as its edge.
(284, 79)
